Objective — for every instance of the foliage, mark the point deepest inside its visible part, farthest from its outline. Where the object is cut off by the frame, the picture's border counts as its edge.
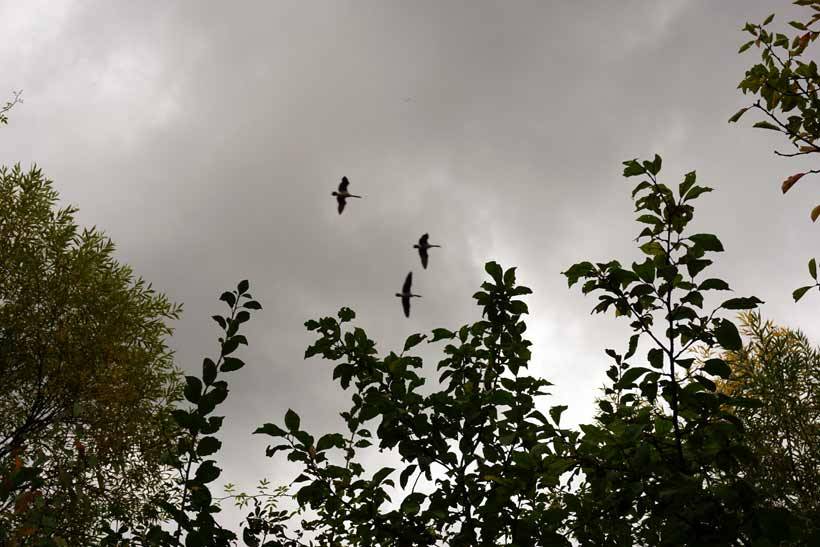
(8, 106)
(479, 463)
(88, 382)
(193, 509)
(786, 85)
(662, 463)
(781, 368)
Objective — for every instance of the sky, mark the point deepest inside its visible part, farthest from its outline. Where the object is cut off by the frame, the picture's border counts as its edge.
(205, 138)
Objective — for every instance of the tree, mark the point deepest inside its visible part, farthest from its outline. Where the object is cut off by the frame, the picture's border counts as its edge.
(480, 464)
(88, 382)
(786, 85)
(662, 463)
(781, 368)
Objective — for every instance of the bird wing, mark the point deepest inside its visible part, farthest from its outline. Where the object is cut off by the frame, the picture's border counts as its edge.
(405, 304)
(408, 281)
(424, 256)
(342, 201)
(343, 184)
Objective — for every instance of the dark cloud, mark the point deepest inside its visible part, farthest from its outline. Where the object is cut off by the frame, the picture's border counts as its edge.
(206, 140)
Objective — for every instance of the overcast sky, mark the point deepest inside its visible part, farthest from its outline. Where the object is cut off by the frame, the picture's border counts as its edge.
(205, 139)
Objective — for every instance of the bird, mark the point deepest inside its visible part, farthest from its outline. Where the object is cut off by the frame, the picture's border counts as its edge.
(343, 194)
(422, 246)
(406, 295)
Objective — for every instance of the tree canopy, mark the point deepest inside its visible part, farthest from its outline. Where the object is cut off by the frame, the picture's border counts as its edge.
(87, 379)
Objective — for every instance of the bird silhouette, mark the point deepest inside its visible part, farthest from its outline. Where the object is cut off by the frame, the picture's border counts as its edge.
(342, 194)
(422, 246)
(406, 294)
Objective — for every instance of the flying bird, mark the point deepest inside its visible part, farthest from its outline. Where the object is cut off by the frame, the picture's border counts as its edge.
(406, 295)
(343, 194)
(422, 246)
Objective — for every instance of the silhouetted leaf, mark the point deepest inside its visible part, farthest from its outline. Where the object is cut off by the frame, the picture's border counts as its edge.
(727, 335)
(292, 421)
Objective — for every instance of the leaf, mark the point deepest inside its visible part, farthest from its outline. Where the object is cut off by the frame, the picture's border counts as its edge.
(208, 446)
(440, 334)
(243, 286)
(713, 284)
(207, 472)
(653, 248)
(798, 293)
(494, 270)
(655, 357)
(229, 298)
(555, 413)
(382, 474)
(208, 371)
(577, 271)
(707, 242)
(743, 48)
(766, 125)
(509, 278)
(229, 364)
(412, 503)
(815, 213)
(789, 182)
(329, 441)
(727, 335)
(813, 268)
(271, 429)
(242, 316)
(413, 340)
(798, 25)
(768, 20)
(405, 475)
(697, 191)
(741, 303)
(292, 421)
(688, 181)
(346, 314)
(252, 305)
(220, 321)
(193, 389)
(717, 367)
(633, 168)
(632, 374)
(229, 346)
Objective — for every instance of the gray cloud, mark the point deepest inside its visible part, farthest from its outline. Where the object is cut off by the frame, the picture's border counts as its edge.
(206, 139)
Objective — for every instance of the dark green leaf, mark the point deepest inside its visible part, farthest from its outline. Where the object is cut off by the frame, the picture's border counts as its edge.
(193, 389)
(813, 268)
(727, 335)
(208, 446)
(798, 293)
(495, 272)
(741, 303)
(292, 421)
(713, 284)
(208, 371)
(271, 429)
(230, 364)
(717, 367)
(229, 298)
(708, 242)
(766, 125)
(243, 286)
(413, 340)
(329, 441)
